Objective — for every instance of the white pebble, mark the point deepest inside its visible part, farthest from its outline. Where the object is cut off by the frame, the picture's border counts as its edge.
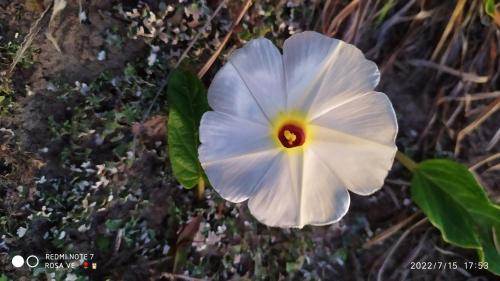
(101, 55)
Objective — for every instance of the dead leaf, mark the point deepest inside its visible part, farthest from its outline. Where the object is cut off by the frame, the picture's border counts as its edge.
(496, 18)
(184, 240)
(189, 231)
(154, 129)
(35, 6)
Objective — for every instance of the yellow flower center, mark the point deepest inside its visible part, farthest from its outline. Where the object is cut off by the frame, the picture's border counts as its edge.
(290, 131)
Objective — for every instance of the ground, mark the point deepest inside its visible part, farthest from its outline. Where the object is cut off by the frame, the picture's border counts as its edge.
(84, 166)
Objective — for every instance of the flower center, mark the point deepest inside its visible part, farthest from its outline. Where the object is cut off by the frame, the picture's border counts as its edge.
(291, 135)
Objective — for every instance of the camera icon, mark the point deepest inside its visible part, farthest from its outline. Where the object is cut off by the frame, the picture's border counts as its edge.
(17, 261)
(31, 261)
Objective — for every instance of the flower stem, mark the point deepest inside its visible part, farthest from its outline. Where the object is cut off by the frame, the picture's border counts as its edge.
(200, 189)
(406, 161)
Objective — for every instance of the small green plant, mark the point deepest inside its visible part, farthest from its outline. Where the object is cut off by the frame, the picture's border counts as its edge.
(6, 91)
(9, 50)
(456, 204)
(187, 102)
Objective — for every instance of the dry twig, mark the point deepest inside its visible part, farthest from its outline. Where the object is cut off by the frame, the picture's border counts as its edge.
(413, 254)
(390, 231)
(493, 142)
(214, 56)
(172, 276)
(471, 97)
(341, 16)
(457, 13)
(396, 245)
(484, 161)
(28, 40)
(487, 112)
(466, 76)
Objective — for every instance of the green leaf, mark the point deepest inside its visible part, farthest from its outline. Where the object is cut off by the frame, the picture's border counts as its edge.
(130, 71)
(489, 7)
(458, 206)
(294, 266)
(2, 98)
(384, 11)
(187, 101)
(114, 224)
(4, 278)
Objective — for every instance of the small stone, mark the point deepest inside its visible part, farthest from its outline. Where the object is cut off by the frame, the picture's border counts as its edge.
(101, 55)
(21, 231)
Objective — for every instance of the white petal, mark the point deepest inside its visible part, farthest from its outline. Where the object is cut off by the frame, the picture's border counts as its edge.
(356, 141)
(298, 190)
(322, 72)
(325, 199)
(237, 178)
(234, 153)
(229, 94)
(276, 203)
(369, 116)
(260, 65)
(223, 136)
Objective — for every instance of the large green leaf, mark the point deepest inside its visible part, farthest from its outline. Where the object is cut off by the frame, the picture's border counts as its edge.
(458, 206)
(187, 101)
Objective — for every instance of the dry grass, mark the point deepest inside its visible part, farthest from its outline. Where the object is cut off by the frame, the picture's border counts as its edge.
(448, 45)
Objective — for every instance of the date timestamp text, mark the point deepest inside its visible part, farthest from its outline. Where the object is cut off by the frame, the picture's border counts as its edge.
(438, 265)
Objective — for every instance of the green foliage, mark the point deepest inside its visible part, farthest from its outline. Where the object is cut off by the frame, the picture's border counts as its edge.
(294, 266)
(260, 31)
(4, 278)
(8, 52)
(114, 224)
(457, 205)
(6, 91)
(489, 7)
(6, 87)
(187, 102)
(384, 11)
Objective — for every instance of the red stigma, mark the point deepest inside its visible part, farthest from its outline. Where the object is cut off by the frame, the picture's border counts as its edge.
(291, 135)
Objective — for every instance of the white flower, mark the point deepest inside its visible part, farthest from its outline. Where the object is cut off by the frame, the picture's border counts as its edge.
(293, 132)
